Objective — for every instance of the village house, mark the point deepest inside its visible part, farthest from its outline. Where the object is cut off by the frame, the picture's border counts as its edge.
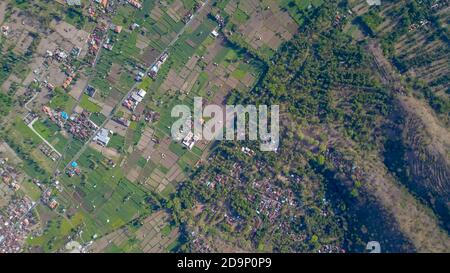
(135, 4)
(102, 137)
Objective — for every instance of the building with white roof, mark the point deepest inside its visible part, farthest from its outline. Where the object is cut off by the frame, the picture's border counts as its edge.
(136, 97)
(142, 93)
(102, 137)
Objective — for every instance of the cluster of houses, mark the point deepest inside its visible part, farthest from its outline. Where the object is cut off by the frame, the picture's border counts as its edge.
(73, 169)
(272, 199)
(415, 26)
(199, 244)
(151, 116)
(220, 20)
(66, 60)
(187, 17)
(57, 117)
(157, 66)
(135, 4)
(16, 224)
(122, 121)
(139, 76)
(331, 249)
(30, 117)
(48, 151)
(102, 3)
(134, 99)
(78, 124)
(103, 6)
(95, 40)
(8, 175)
(108, 44)
(340, 18)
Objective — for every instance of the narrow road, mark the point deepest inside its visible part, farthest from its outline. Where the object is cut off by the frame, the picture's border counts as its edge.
(33, 205)
(28, 102)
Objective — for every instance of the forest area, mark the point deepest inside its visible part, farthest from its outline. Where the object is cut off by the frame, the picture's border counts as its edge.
(338, 118)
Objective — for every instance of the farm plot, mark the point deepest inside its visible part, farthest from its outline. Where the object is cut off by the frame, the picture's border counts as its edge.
(152, 234)
(211, 76)
(417, 45)
(263, 25)
(102, 191)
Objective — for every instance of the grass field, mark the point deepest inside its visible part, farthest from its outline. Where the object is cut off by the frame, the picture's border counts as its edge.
(105, 194)
(59, 142)
(102, 197)
(239, 74)
(138, 131)
(31, 189)
(88, 105)
(46, 129)
(97, 118)
(142, 162)
(23, 132)
(56, 231)
(177, 149)
(240, 16)
(182, 50)
(117, 142)
(72, 150)
(62, 101)
(145, 84)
